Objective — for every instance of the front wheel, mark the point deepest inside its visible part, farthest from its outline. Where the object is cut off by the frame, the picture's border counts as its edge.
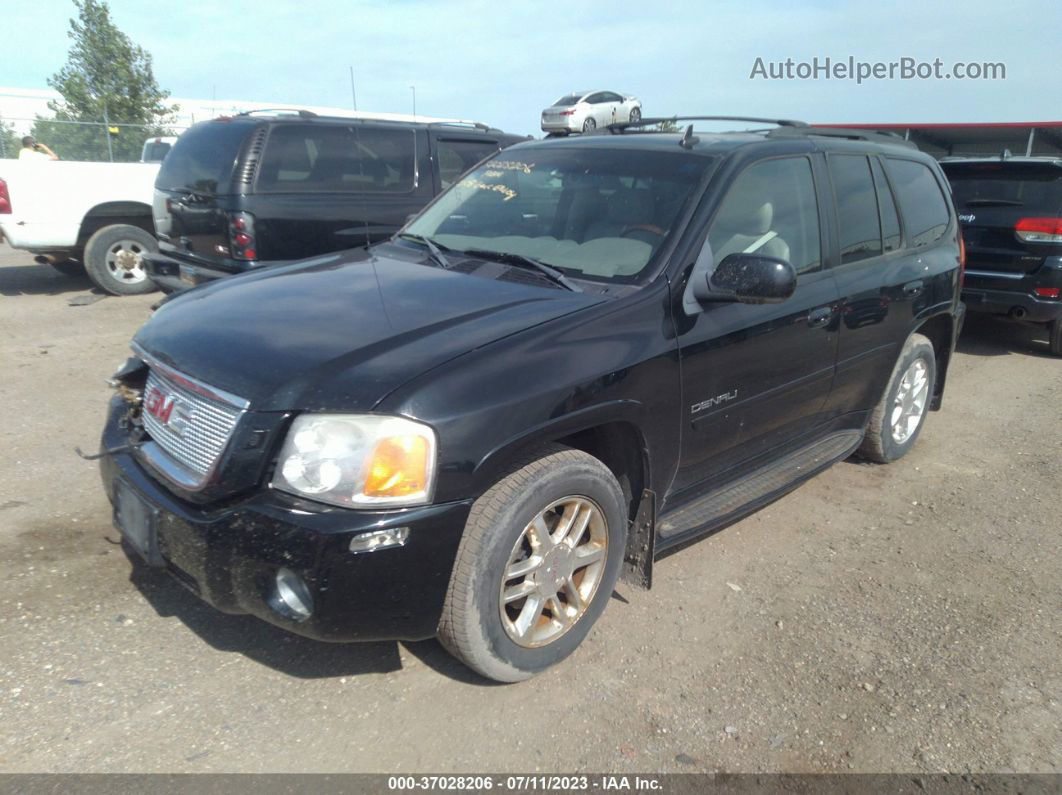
(539, 558)
(114, 259)
(1054, 336)
(898, 418)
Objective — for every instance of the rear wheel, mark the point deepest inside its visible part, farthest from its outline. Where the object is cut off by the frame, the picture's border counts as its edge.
(589, 125)
(636, 115)
(898, 418)
(114, 259)
(537, 563)
(1054, 336)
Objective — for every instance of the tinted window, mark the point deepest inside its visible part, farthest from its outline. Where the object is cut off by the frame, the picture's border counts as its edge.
(1033, 187)
(770, 209)
(203, 158)
(356, 159)
(890, 220)
(610, 97)
(155, 152)
(594, 213)
(857, 208)
(924, 208)
(596, 98)
(570, 99)
(457, 157)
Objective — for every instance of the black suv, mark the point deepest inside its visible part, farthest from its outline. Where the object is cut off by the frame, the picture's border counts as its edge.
(1011, 213)
(586, 352)
(241, 192)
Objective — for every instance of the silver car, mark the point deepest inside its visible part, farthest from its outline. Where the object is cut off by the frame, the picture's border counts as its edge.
(583, 111)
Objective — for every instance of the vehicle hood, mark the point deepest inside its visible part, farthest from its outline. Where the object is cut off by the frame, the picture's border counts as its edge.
(339, 332)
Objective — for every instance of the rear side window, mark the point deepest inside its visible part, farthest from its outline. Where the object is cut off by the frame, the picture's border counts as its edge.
(890, 219)
(1035, 188)
(203, 158)
(925, 210)
(857, 208)
(457, 157)
(301, 158)
(770, 209)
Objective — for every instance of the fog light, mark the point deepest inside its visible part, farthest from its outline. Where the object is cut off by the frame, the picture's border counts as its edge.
(379, 539)
(291, 598)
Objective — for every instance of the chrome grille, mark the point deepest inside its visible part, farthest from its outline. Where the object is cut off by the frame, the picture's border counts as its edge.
(196, 429)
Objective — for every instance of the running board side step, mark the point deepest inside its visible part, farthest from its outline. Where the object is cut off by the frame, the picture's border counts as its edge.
(773, 479)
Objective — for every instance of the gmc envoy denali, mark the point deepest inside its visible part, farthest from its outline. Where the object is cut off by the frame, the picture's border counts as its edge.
(583, 354)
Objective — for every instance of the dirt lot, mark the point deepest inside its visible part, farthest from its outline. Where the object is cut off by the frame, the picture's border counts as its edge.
(893, 618)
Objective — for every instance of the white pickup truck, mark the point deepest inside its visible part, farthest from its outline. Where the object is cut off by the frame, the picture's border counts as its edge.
(78, 217)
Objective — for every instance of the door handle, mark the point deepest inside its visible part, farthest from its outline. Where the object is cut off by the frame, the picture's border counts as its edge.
(817, 318)
(913, 288)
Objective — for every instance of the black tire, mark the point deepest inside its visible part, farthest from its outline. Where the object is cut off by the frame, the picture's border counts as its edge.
(589, 125)
(472, 627)
(109, 248)
(880, 444)
(636, 115)
(1054, 336)
(69, 268)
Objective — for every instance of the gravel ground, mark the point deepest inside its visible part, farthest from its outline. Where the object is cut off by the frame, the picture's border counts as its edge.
(899, 618)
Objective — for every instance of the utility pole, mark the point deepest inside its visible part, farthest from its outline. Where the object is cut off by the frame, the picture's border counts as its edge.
(414, 90)
(353, 95)
(107, 133)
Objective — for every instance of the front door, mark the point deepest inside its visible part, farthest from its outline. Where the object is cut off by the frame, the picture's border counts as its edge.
(757, 376)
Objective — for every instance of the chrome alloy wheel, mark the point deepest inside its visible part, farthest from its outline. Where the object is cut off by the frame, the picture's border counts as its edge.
(910, 402)
(553, 572)
(125, 261)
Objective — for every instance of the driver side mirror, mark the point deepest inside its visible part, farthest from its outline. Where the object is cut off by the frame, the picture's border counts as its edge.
(750, 279)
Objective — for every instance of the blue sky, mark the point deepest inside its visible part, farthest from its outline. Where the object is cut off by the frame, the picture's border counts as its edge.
(501, 63)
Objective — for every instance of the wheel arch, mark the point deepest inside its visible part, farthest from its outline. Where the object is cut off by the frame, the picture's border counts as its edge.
(133, 213)
(940, 330)
(613, 433)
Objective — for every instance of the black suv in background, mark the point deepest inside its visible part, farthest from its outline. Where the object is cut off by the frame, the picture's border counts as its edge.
(241, 192)
(586, 352)
(1011, 214)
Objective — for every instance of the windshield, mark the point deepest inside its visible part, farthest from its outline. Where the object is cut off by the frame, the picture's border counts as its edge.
(570, 99)
(1034, 187)
(596, 214)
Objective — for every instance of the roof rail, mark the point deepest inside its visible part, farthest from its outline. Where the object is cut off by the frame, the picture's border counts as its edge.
(460, 123)
(844, 132)
(624, 125)
(305, 114)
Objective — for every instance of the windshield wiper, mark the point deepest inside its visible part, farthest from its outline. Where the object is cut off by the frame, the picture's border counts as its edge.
(994, 203)
(520, 260)
(434, 248)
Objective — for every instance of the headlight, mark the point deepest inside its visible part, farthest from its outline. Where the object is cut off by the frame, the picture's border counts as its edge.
(358, 461)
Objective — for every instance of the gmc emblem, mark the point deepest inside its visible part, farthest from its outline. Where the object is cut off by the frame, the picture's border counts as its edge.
(167, 409)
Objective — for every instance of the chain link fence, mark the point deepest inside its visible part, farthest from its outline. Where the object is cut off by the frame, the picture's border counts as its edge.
(114, 142)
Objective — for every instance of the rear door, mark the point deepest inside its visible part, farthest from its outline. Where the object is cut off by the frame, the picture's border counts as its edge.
(327, 187)
(995, 201)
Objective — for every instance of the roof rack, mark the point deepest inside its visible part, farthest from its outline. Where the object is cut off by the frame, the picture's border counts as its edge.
(844, 132)
(305, 114)
(645, 122)
(460, 123)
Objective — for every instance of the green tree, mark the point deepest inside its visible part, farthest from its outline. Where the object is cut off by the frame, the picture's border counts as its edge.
(106, 83)
(10, 143)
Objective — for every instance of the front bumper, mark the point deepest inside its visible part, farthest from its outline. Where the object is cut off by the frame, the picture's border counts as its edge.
(229, 555)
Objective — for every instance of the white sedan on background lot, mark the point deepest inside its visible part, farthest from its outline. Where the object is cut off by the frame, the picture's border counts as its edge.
(583, 111)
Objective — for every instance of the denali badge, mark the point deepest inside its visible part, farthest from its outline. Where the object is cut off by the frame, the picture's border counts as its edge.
(707, 404)
(168, 410)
